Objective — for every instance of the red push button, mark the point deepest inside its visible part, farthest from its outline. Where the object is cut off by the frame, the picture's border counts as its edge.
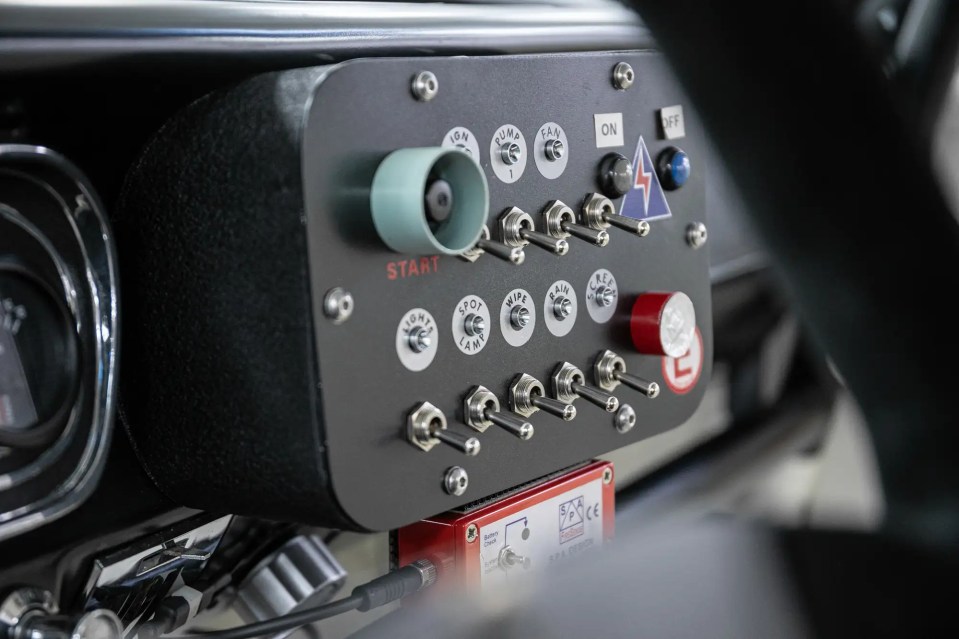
(663, 324)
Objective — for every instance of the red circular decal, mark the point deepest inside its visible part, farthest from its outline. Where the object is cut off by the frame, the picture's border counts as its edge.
(682, 373)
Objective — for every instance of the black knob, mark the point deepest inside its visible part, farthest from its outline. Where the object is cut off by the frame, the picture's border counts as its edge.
(615, 175)
(39, 360)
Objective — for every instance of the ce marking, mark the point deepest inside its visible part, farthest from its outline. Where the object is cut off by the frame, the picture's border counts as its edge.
(592, 512)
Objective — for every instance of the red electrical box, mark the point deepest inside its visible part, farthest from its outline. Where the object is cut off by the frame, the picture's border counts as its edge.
(538, 526)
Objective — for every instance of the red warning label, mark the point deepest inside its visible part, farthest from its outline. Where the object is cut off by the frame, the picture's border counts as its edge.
(682, 373)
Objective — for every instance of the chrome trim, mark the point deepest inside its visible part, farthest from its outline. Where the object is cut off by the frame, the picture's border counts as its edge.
(93, 235)
(20, 475)
(313, 32)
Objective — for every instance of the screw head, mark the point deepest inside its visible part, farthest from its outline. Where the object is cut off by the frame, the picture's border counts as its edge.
(607, 475)
(455, 481)
(425, 86)
(338, 305)
(472, 533)
(625, 419)
(623, 76)
(696, 235)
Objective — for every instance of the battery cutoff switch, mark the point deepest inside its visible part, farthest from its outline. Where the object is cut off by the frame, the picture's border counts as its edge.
(557, 520)
(429, 201)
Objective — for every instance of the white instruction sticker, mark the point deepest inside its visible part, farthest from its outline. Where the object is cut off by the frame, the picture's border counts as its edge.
(547, 533)
(609, 129)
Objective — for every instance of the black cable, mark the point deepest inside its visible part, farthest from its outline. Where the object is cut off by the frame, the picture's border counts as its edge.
(382, 590)
(285, 622)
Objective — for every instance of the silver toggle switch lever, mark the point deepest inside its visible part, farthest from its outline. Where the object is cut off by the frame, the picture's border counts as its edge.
(512, 254)
(568, 383)
(609, 371)
(561, 223)
(481, 409)
(426, 427)
(599, 213)
(517, 229)
(509, 558)
(527, 395)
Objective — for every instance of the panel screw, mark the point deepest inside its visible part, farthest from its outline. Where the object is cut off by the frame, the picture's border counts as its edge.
(607, 475)
(338, 305)
(455, 481)
(696, 235)
(425, 86)
(472, 533)
(626, 417)
(623, 76)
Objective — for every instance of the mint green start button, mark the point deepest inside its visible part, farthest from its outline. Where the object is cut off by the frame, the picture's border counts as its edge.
(403, 185)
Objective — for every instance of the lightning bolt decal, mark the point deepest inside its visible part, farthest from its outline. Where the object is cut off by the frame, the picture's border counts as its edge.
(643, 179)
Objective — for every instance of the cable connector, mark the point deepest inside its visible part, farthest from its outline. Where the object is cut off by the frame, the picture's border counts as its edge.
(400, 583)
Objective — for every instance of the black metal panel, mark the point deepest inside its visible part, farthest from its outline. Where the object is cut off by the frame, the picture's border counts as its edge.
(217, 210)
(362, 112)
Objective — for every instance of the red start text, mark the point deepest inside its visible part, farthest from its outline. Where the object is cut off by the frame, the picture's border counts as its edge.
(402, 269)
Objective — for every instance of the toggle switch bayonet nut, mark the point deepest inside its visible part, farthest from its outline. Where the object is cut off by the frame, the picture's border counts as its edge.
(599, 213)
(481, 409)
(609, 371)
(568, 383)
(560, 222)
(426, 427)
(527, 395)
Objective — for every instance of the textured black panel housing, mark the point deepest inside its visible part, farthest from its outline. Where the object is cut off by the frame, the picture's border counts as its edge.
(250, 205)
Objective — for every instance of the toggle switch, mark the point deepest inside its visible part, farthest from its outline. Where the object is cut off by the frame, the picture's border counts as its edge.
(609, 371)
(509, 558)
(481, 409)
(599, 213)
(426, 427)
(512, 254)
(561, 223)
(517, 229)
(527, 395)
(568, 383)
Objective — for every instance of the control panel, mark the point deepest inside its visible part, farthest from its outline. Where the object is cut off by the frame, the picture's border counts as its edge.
(57, 337)
(369, 293)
